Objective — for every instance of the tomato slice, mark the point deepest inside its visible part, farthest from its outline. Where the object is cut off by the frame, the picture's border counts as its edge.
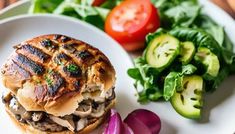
(131, 21)
(97, 2)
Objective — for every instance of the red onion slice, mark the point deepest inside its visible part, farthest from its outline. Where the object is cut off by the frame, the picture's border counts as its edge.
(115, 125)
(143, 121)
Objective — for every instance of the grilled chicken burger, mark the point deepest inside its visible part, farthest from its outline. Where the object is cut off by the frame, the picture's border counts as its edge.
(58, 85)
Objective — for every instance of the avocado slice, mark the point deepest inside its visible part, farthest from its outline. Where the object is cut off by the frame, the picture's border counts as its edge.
(188, 101)
(187, 52)
(162, 50)
(209, 60)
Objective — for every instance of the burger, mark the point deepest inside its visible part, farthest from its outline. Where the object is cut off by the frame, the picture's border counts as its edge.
(56, 84)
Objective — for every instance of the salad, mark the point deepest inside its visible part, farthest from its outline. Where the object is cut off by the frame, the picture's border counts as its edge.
(189, 55)
(186, 53)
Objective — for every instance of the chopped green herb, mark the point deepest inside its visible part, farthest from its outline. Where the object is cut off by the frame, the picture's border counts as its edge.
(72, 68)
(48, 80)
(50, 71)
(37, 81)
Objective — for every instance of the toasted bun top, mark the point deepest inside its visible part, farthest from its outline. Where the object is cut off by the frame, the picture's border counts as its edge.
(51, 72)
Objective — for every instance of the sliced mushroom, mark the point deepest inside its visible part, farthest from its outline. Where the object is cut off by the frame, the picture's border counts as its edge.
(98, 111)
(37, 116)
(26, 115)
(96, 95)
(6, 97)
(46, 125)
(15, 107)
(66, 123)
(81, 123)
(110, 94)
(83, 110)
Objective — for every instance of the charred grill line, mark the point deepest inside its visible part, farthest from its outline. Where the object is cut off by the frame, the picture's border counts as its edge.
(77, 85)
(83, 55)
(47, 43)
(56, 37)
(69, 47)
(28, 64)
(35, 51)
(21, 70)
(58, 81)
(65, 39)
(61, 56)
(72, 70)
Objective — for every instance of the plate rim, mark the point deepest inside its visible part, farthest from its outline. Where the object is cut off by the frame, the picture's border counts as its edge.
(74, 20)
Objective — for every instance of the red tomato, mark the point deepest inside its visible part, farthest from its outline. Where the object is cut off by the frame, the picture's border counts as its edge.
(97, 2)
(131, 21)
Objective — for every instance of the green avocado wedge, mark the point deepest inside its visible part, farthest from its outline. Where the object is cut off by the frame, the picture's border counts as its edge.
(188, 102)
(162, 50)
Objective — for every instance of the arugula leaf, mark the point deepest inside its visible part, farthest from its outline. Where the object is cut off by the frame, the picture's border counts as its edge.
(44, 6)
(173, 82)
(177, 12)
(84, 11)
(183, 14)
(80, 9)
(145, 77)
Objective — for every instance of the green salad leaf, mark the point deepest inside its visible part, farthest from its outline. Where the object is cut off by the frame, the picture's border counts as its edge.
(173, 82)
(80, 9)
(44, 6)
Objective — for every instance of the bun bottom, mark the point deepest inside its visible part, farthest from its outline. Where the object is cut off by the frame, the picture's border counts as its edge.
(27, 129)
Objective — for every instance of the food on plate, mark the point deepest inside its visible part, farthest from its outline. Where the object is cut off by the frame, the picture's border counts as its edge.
(139, 121)
(97, 2)
(143, 121)
(188, 56)
(90, 11)
(162, 51)
(188, 101)
(131, 21)
(128, 21)
(58, 84)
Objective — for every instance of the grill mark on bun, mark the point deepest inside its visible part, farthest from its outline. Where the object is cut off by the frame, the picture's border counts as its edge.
(65, 39)
(47, 43)
(31, 51)
(24, 73)
(69, 47)
(28, 64)
(72, 70)
(61, 58)
(57, 36)
(54, 82)
(84, 55)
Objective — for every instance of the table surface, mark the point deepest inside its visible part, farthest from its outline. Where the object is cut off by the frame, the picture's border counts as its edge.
(227, 5)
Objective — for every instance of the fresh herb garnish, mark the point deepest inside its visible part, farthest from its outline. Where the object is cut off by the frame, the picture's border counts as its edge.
(72, 68)
(46, 43)
(49, 80)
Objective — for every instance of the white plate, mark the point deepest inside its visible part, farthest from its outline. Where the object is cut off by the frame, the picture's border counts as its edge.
(18, 29)
(219, 112)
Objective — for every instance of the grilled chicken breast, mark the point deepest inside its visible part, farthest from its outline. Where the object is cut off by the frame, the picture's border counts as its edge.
(63, 79)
